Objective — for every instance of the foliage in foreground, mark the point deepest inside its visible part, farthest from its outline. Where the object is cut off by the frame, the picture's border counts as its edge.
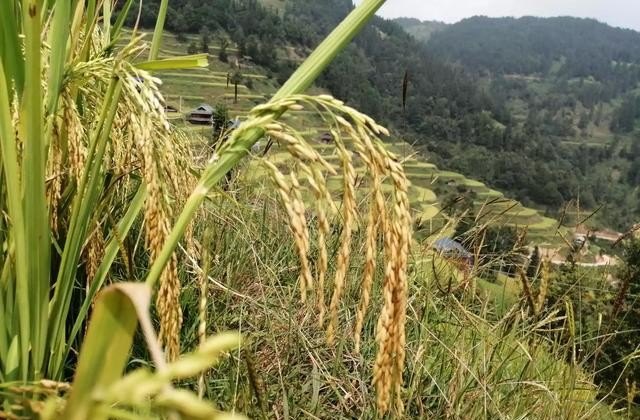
(81, 129)
(465, 359)
(75, 202)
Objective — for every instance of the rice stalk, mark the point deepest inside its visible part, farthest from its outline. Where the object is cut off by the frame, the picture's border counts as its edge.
(297, 223)
(299, 209)
(377, 218)
(54, 175)
(391, 326)
(94, 252)
(348, 216)
(545, 280)
(316, 182)
(394, 222)
(141, 141)
(157, 227)
(73, 127)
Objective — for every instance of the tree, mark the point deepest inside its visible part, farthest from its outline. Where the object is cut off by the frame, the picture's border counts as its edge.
(192, 48)
(236, 78)
(205, 38)
(623, 120)
(180, 24)
(224, 44)
(220, 118)
(583, 123)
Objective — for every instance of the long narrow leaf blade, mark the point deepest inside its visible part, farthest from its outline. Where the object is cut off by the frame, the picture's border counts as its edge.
(106, 349)
(175, 63)
(159, 29)
(58, 41)
(110, 253)
(12, 178)
(34, 176)
(116, 30)
(11, 48)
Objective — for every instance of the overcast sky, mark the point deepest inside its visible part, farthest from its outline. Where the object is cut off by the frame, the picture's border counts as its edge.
(623, 13)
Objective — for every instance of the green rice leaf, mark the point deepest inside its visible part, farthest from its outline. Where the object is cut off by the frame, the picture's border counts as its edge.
(175, 63)
(103, 356)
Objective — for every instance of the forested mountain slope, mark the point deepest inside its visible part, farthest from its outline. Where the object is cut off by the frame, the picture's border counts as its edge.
(545, 136)
(564, 46)
(570, 89)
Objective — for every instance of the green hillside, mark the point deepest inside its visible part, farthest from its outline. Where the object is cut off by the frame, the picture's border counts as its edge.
(187, 89)
(569, 89)
(544, 110)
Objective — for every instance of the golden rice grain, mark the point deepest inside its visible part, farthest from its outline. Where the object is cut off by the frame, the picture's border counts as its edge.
(393, 222)
(348, 216)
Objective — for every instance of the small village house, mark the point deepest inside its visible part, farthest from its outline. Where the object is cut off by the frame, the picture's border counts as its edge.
(201, 115)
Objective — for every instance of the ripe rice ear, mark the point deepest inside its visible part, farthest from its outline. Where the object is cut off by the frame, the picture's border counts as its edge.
(394, 223)
(348, 217)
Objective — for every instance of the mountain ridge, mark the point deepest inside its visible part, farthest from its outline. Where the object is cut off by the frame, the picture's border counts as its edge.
(571, 85)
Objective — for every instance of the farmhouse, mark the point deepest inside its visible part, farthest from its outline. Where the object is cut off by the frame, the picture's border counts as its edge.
(201, 115)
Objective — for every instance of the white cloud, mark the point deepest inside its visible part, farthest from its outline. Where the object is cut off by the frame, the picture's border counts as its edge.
(623, 13)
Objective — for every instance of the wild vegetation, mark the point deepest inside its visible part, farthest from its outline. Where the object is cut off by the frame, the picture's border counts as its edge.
(322, 255)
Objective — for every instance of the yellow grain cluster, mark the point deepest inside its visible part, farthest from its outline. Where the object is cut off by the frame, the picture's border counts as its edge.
(391, 221)
(391, 323)
(348, 216)
(141, 143)
(72, 124)
(157, 227)
(290, 196)
(54, 174)
(94, 252)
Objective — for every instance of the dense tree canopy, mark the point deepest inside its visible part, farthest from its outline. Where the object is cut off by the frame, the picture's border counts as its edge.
(570, 46)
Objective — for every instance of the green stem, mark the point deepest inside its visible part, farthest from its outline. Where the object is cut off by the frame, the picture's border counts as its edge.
(157, 32)
(298, 83)
(110, 253)
(86, 195)
(13, 178)
(35, 208)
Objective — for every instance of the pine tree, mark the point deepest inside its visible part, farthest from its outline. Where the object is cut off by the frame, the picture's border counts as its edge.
(204, 39)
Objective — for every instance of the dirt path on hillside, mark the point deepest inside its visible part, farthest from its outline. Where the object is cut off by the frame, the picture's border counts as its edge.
(556, 258)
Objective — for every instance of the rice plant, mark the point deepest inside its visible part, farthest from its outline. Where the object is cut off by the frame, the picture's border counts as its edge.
(100, 191)
(86, 148)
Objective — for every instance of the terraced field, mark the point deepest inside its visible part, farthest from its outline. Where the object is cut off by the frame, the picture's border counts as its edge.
(187, 89)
